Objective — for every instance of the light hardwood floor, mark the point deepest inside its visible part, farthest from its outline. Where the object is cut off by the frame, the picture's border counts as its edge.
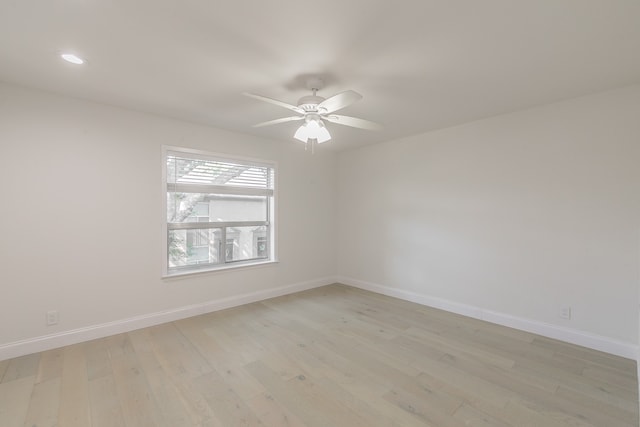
(333, 356)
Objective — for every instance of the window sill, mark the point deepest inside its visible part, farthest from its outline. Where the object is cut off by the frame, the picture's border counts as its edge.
(226, 268)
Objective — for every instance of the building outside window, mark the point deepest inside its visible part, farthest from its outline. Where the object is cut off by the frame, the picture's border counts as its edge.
(230, 248)
(261, 246)
(198, 241)
(219, 211)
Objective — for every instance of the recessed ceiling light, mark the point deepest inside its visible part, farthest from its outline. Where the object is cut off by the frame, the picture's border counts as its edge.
(74, 59)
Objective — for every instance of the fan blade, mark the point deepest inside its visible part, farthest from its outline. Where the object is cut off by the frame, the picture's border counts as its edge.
(275, 101)
(339, 101)
(276, 121)
(353, 122)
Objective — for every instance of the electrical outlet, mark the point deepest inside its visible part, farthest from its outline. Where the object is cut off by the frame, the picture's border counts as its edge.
(565, 313)
(52, 318)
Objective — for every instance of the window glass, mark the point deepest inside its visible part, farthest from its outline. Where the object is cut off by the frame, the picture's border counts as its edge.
(219, 211)
(193, 247)
(199, 207)
(242, 243)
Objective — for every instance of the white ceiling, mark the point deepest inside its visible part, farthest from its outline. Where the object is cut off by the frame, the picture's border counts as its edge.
(420, 64)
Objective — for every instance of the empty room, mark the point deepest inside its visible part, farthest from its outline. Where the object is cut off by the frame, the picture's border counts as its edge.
(319, 214)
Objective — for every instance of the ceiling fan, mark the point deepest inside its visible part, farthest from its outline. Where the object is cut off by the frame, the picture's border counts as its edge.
(314, 110)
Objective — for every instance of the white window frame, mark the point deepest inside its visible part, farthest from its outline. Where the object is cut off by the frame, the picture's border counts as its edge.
(271, 215)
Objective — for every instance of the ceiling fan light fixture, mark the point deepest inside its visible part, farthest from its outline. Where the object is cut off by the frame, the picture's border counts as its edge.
(302, 134)
(313, 124)
(323, 135)
(314, 128)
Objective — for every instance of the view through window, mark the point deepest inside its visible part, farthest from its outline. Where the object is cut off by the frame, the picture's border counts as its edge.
(219, 211)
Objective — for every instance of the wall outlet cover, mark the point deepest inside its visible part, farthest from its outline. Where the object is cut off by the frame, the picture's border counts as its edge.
(565, 312)
(52, 318)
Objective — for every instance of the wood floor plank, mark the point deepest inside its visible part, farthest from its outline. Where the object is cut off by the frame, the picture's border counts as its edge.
(375, 411)
(177, 354)
(459, 346)
(276, 340)
(588, 386)
(460, 383)
(21, 367)
(423, 409)
(175, 407)
(339, 413)
(50, 366)
(98, 358)
(593, 356)
(364, 389)
(14, 400)
(44, 404)
(623, 381)
(228, 407)
(138, 404)
(74, 393)
(474, 417)
(614, 408)
(271, 413)
(105, 407)
(330, 356)
(516, 414)
(307, 411)
(194, 403)
(220, 358)
(3, 367)
(365, 382)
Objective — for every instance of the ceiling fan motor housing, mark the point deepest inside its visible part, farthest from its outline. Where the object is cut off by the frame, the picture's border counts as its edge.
(312, 117)
(310, 103)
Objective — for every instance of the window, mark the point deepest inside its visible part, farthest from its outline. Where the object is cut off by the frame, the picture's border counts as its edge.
(219, 211)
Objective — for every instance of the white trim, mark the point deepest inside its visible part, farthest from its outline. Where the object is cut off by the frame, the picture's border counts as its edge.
(273, 215)
(573, 336)
(211, 224)
(224, 267)
(219, 189)
(173, 150)
(47, 342)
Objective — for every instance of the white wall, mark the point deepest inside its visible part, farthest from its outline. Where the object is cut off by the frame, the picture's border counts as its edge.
(516, 215)
(510, 217)
(80, 219)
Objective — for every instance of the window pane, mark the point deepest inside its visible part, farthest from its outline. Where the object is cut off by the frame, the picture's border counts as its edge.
(194, 247)
(200, 207)
(244, 243)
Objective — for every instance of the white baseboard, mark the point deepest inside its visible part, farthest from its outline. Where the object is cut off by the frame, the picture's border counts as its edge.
(48, 342)
(573, 336)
